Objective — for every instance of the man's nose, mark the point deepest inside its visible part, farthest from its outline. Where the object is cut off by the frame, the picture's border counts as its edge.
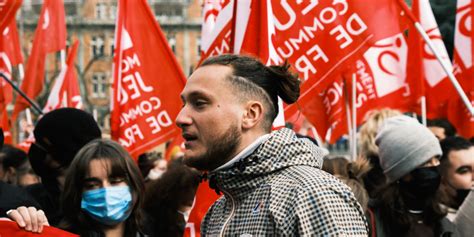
(183, 118)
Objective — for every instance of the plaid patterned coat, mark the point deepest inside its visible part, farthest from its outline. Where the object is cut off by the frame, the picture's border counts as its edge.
(281, 190)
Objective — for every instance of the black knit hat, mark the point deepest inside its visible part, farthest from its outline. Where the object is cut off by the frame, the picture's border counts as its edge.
(63, 132)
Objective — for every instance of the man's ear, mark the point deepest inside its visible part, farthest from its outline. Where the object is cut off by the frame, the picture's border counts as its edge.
(253, 114)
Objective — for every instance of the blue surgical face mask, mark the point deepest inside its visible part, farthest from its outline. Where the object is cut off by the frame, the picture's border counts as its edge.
(109, 206)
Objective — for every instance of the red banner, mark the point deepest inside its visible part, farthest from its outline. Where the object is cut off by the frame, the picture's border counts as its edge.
(463, 68)
(10, 55)
(65, 91)
(322, 40)
(10, 228)
(218, 20)
(147, 81)
(5, 124)
(379, 64)
(8, 10)
(427, 77)
(50, 36)
(205, 197)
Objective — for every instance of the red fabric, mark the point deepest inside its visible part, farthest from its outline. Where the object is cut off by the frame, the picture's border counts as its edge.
(427, 77)
(217, 28)
(10, 55)
(380, 82)
(147, 81)
(324, 105)
(5, 124)
(11, 43)
(65, 92)
(460, 117)
(205, 197)
(50, 36)
(323, 41)
(457, 112)
(8, 10)
(10, 228)
(70, 90)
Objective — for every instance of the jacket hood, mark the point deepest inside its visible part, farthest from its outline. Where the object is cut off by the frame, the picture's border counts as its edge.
(281, 150)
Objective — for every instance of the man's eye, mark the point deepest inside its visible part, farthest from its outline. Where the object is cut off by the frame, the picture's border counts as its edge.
(199, 103)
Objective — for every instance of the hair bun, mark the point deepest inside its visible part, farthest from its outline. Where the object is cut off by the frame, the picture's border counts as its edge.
(288, 84)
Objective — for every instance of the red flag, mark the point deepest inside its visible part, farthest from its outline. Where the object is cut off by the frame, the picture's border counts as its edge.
(205, 197)
(377, 56)
(8, 10)
(147, 81)
(381, 77)
(65, 92)
(427, 77)
(218, 20)
(5, 124)
(319, 40)
(10, 55)
(464, 70)
(11, 43)
(50, 36)
(10, 228)
(460, 116)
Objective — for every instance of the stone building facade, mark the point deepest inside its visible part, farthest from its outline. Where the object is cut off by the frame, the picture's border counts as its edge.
(92, 23)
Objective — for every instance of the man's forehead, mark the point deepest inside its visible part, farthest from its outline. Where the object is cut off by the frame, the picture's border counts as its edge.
(206, 79)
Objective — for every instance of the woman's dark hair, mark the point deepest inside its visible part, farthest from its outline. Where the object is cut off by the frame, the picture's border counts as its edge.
(146, 162)
(395, 213)
(176, 188)
(255, 80)
(121, 165)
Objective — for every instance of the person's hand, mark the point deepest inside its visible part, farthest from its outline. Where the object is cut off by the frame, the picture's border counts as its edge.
(29, 218)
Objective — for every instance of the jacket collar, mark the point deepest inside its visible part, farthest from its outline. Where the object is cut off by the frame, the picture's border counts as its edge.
(282, 149)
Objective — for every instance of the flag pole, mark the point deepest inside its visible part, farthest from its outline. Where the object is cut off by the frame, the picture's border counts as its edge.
(348, 116)
(423, 110)
(428, 41)
(63, 58)
(33, 104)
(354, 118)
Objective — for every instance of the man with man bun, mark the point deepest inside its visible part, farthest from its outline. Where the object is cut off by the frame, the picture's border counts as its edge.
(272, 181)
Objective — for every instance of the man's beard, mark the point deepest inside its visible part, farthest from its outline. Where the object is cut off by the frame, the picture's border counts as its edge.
(218, 152)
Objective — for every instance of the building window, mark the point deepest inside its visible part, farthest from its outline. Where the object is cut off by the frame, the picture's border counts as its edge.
(172, 43)
(70, 9)
(97, 46)
(198, 47)
(168, 11)
(101, 11)
(113, 11)
(99, 85)
(112, 48)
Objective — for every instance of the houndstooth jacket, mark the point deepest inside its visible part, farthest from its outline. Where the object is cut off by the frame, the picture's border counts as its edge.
(281, 190)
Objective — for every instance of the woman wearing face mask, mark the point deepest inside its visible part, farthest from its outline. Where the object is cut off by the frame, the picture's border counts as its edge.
(103, 192)
(408, 205)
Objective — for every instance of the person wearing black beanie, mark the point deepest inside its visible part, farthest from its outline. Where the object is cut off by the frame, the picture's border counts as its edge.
(59, 135)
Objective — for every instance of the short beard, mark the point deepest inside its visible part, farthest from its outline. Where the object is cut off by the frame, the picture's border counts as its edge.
(219, 151)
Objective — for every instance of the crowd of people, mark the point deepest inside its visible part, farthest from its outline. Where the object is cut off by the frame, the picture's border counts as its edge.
(408, 180)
